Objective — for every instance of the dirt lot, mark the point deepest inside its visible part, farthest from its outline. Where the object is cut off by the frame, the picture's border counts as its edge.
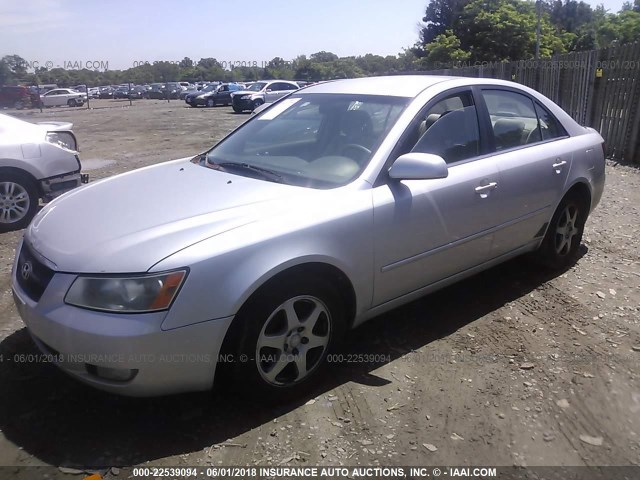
(512, 367)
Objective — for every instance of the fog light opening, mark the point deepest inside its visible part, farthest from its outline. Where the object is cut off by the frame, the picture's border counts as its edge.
(111, 374)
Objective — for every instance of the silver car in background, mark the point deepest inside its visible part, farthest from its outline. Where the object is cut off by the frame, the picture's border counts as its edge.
(63, 96)
(249, 262)
(259, 93)
(37, 161)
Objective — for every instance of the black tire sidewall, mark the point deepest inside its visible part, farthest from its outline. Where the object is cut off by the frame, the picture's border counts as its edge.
(547, 253)
(34, 198)
(250, 320)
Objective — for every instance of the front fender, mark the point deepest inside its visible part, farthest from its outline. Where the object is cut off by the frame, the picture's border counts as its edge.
(227, 269)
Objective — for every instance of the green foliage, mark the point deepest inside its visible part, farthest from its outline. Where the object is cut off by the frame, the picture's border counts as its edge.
(445, 49)
(499, 30)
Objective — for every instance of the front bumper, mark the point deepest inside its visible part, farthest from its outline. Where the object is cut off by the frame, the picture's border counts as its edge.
(196, 101)
(53, 187)
(83, 342)
(243, 104)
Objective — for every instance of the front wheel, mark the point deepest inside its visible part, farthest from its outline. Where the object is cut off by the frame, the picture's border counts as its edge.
(256, 104)
(283, 335)
(237, 109)
(18, 201)
(560, 246)
(211, 102)
(72, 103)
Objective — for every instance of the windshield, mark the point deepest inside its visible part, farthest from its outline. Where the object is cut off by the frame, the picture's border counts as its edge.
(255, 87)
(209, 88)
(314, 140)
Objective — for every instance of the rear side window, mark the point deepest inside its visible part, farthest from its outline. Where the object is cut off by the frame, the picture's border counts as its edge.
(517, 120)
(550, 127)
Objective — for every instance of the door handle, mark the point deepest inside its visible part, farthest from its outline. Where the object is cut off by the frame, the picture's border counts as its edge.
(484, 188)
(559, 164)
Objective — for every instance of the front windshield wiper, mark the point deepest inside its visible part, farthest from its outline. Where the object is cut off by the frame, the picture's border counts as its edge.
(264, 172)
(200, 158)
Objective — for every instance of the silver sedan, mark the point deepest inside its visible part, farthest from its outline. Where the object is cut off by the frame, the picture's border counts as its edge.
(343, 200)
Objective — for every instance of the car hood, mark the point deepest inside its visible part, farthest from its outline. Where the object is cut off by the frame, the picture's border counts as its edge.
(56, 126)
(129, 222)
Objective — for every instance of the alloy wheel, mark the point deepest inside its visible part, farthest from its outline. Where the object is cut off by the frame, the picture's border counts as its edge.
(14, 202)
(566, 229)
(293, 340)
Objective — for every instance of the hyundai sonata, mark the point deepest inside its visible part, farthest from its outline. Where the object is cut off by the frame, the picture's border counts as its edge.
(343, 200)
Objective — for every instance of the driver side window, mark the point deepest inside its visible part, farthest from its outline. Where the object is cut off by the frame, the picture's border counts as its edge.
(449, 129)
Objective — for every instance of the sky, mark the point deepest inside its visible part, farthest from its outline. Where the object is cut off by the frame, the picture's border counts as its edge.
(119, 34)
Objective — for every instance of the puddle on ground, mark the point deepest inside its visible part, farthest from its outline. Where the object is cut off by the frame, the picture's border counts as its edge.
(96, 163)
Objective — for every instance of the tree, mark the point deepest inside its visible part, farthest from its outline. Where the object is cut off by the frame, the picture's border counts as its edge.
(322, 57)
(627, 24)
(445, 49)
(186, 62)
(16, 64)
(440, 16)
(501, 30)
(207, 63)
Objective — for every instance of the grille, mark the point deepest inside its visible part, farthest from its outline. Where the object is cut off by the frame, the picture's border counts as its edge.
(32, 275)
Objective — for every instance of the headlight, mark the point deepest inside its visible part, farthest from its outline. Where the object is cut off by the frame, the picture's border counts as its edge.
(201, 96)
(147, 293)
(244, 97)
(63, 139)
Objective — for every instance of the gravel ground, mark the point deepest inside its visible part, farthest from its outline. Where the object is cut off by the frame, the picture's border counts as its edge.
(514, 366)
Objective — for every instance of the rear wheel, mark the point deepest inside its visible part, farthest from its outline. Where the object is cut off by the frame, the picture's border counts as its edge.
(237, 109)
(560, 246)
(18, 201)
(281, 338)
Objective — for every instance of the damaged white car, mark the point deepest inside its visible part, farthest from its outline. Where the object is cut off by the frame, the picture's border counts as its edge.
(37, 161)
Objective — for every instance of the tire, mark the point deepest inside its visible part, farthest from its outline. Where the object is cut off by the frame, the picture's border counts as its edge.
(211, 102)
(559, 248)
(72, 103)
(270, 347)
(256, 104)
(18, 201)
(237, 109)
(19, 105)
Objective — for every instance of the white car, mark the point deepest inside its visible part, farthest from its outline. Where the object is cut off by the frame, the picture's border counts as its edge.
(37, 161)
(63, 96)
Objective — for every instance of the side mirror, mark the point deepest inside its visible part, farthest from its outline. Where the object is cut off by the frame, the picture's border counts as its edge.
(418, 166)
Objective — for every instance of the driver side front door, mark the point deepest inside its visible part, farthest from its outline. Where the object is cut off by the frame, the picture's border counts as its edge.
(428, 230)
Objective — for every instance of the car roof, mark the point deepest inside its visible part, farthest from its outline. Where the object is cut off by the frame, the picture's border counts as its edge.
(400, 85)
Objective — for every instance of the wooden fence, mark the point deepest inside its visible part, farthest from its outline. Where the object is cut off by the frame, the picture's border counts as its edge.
(598, 88)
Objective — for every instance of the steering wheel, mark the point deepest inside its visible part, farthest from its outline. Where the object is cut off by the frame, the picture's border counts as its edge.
(354, 146)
